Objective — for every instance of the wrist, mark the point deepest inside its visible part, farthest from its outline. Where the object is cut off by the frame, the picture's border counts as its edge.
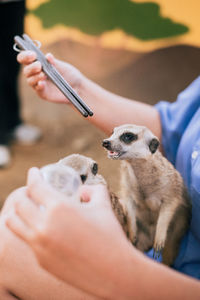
(84, 86)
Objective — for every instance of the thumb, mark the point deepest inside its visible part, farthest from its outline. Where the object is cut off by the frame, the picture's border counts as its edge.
(34, 176)
(39, 190)
(42, 192)
(95, 194)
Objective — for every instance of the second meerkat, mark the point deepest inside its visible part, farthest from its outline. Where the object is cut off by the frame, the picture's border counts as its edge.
(69, 173)
(152, 192)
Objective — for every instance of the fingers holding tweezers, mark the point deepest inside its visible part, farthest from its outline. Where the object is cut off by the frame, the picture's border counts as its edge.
(27, 44)
(26, 57)
(34, 80)
(33, 69)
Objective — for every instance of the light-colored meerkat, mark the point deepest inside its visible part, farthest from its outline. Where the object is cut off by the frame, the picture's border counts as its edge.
(69, 173)
(152, 192)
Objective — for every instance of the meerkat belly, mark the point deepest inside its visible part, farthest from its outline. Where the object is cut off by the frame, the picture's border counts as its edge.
(153, 202)
(152, 197)
(146, 226)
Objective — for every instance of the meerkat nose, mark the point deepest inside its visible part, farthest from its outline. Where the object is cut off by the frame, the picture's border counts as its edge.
(106, 144)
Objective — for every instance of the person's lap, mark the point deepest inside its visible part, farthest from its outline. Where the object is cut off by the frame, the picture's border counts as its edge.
(20, 273)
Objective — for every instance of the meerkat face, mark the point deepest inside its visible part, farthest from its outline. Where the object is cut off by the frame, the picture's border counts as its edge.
(86, 167)
(130, 142)
(62, 178)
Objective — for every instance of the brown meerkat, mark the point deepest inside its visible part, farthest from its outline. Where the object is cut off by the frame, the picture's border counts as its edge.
(70, 172)
(152, 192)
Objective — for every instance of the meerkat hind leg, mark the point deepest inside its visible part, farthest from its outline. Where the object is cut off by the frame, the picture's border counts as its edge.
(176, 231)
(144, 236)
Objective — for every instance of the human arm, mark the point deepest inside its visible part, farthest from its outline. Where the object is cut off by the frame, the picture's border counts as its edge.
(84, 245)
(109, 109)
(175, 119)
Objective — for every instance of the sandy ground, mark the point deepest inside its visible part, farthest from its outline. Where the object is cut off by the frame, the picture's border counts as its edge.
(147, 77)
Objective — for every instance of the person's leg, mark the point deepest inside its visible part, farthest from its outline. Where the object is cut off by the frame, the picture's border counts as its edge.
(11, 24)
(11, 125)
(20, 274)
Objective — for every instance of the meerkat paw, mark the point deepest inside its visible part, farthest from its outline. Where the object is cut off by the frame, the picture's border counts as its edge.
(158, 248)
(133, 238)
(134, 241)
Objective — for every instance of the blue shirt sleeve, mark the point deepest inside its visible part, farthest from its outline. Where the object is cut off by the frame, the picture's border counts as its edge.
(176, 116)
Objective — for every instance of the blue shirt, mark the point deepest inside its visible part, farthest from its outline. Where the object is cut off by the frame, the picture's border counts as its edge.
(181, 142)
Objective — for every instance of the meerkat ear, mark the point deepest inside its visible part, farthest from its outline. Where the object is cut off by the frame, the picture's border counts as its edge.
(153, 145)
(94, 168)
(151, 140)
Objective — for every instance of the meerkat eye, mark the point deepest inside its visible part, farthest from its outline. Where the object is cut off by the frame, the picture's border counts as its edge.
(83, 178)
(128, 137)
(94, 168)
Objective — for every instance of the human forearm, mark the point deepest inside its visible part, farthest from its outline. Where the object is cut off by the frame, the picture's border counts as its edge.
(123, 273)
(141, 278)
(111, 110)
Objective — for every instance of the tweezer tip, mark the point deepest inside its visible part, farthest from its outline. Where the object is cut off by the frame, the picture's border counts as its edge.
(85, 114)
(91, 113)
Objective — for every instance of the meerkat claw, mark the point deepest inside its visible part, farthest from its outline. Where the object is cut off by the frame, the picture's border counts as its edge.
(135, 240)
(157, 252)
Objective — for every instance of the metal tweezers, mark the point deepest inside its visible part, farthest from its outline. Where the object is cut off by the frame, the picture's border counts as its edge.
(26, 43)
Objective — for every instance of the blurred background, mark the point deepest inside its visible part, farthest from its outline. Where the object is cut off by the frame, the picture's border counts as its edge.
(144, 50)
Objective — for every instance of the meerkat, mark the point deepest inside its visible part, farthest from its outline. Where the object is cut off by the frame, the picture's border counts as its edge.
(153, 194)
(69, 173)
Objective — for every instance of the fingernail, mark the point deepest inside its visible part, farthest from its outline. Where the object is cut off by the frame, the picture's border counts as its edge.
(32, 173)
(30, 54)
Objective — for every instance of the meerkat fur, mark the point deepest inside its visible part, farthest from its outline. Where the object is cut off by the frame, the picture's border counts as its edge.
(153, 194)
(69, 173)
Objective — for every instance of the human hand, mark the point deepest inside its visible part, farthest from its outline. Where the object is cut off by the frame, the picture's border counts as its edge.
(41, 84)
(79, 242)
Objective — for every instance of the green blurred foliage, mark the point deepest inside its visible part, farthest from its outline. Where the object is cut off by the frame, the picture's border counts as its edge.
(142, 20)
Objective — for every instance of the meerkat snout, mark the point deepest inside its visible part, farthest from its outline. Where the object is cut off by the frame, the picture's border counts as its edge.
(131, 141)
(106, 144)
